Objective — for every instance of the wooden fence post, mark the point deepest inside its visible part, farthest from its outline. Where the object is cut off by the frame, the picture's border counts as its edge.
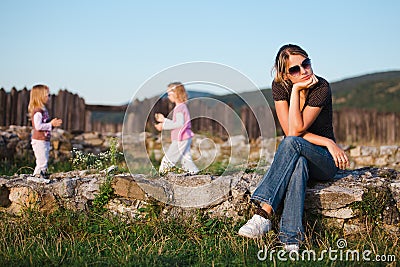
(3, 107)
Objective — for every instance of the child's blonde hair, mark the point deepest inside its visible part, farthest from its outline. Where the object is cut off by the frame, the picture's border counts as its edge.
(179, 90)
(38, 96)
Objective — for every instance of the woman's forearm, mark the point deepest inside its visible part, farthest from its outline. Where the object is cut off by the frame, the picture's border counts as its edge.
(295, 120)
(317, 139)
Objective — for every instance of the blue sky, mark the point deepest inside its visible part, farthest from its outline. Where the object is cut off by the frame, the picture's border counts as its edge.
(105, 50)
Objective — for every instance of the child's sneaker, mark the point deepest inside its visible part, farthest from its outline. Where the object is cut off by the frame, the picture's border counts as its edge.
(44, 175)
(189, 173)
(256, 227)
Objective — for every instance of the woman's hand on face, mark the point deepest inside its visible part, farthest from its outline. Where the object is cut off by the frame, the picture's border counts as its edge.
(339, 156)
(310, 82)
(159, 117)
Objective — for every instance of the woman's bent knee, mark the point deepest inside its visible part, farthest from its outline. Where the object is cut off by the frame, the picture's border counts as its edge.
(291, 141)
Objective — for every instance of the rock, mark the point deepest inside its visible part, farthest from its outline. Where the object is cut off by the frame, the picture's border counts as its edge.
(126, 209)
(365, 161)
(126, 187)
(66, 187)
(178, 193)
(355, 152)
(89, 188)
(333, 196)
(20, 197)
(342, 213)
(395, 190)
(369, 151)
(388, 150)
(352, 227)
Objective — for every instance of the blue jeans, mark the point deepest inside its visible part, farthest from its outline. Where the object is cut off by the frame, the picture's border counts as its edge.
(295, 161)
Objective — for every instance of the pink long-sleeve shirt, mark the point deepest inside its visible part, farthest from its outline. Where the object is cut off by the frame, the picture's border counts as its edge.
(180, 124)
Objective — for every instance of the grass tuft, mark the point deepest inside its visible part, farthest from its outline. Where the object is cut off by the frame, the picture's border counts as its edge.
(66, 238)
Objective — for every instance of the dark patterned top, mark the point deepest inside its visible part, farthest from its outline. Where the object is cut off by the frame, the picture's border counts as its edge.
(318, 96)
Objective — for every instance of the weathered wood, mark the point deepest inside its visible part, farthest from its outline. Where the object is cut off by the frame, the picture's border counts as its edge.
(355, 126)
(106, 108)
(8, 110)
(3, 110)
(82, 110)
(13, 106)
(75, 113)
(22, 107)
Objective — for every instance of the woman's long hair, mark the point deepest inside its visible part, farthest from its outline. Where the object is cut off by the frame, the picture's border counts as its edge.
(281, 62)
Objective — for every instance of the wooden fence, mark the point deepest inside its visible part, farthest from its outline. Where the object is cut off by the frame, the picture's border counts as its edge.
(354, 126)
(65, 105)
(350, 126)
(103, 126)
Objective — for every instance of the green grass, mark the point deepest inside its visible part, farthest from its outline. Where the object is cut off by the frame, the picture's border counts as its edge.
(27, 166)
(78, 161)
(68, 238)
(94, 238)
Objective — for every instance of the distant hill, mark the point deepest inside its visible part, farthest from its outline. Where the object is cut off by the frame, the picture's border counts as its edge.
(193, 94)
(118, 117)
(377, 91)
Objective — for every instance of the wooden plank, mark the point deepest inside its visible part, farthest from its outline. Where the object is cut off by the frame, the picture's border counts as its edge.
(14, 107)
(106, 108)
(3, 111)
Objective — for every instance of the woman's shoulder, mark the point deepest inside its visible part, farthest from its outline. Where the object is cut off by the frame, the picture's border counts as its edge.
(322, 81)
(320, 93)
(277, 86)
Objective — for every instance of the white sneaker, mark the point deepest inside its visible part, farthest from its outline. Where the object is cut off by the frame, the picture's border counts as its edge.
(291, 247)
(256, 227)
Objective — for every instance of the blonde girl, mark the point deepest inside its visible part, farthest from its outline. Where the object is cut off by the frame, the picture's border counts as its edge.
(41, 128)
(181, 133)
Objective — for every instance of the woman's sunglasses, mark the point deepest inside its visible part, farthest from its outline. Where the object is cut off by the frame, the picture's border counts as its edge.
(295, 70)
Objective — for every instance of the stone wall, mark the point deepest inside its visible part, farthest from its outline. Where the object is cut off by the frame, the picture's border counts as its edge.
(338, 202)
(15, 143)
(380, 156)
(228, 195)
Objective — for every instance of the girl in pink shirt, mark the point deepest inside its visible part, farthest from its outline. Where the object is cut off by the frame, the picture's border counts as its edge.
(181, 133)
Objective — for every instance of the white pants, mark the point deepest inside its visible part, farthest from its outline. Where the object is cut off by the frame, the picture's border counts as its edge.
(178, 151)
(41, 149)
